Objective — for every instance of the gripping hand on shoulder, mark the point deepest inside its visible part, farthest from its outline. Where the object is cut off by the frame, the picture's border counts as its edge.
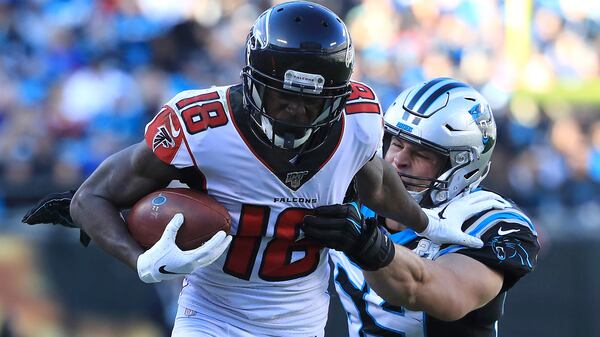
(445, 223)
(343, 228)
(165, 260)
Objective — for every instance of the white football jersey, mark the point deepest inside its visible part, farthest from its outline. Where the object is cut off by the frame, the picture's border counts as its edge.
(271, 280)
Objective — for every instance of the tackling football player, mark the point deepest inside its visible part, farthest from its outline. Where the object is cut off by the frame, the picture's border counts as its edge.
(291, 137)
(439, 136)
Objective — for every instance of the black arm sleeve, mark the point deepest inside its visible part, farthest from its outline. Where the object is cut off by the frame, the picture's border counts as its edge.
(508, 247)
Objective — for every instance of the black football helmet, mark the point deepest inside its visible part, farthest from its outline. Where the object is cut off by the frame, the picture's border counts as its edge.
(303, 49)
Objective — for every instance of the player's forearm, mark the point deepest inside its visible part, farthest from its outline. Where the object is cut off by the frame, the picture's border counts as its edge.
(419, 284)
(103, 223)
(393, 201)
(398, 282)
(97, 203)
(118, 183)
(401, 207)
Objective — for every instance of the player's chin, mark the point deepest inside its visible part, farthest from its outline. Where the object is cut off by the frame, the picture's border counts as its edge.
(411, 184)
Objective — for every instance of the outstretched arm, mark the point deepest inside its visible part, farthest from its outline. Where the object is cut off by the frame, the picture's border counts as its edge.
(118, 183)
(382, 190)
(452, 285)
(447, 288)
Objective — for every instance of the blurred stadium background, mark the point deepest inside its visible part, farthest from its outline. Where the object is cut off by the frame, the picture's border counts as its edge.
(80, 78)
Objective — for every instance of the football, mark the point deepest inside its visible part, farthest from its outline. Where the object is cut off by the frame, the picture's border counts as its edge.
(203, 217)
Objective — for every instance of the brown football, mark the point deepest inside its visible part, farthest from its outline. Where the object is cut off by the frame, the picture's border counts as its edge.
(203, 217)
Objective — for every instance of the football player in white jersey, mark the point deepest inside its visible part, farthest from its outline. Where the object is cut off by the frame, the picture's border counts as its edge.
(287, 140)
(439, 136)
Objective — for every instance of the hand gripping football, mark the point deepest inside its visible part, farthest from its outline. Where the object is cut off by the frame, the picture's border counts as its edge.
(203, 217)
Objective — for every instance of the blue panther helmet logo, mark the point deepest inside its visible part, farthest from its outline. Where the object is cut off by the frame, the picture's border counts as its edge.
(482, 115)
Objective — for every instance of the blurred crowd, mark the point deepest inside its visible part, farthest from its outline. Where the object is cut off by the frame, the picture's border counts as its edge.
(79, 79)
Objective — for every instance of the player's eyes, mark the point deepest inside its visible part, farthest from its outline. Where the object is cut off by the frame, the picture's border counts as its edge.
(425, 156)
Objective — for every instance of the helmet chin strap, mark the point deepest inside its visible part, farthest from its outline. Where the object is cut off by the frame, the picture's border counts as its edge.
(418, 196)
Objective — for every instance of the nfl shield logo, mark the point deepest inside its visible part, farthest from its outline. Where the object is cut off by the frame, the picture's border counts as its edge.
(294, 179)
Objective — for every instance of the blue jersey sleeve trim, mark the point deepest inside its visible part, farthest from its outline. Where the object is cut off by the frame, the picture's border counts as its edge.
(400, 238)
(404, 236)
(500, 216)
(448, 250)
(367, 212)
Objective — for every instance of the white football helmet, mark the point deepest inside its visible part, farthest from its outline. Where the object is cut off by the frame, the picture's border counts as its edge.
(451, 118)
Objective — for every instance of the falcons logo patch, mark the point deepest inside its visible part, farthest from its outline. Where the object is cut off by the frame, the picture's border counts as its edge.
(162, 138)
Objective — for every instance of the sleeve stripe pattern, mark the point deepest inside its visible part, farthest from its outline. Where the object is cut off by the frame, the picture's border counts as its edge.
(479, 227)
(403, 237)
(368, 107)
(362, 100)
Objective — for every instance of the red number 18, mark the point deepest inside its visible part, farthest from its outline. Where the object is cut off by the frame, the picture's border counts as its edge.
(277, 264)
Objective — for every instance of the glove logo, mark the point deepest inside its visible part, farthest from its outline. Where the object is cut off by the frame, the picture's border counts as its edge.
(441, 213)
(162, 270)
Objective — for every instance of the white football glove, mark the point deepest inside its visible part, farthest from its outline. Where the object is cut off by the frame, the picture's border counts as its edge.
(166, 261)
(445, 222)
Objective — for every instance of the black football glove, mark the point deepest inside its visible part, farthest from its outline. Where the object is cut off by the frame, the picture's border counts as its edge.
(54, 208)
(343, 228)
